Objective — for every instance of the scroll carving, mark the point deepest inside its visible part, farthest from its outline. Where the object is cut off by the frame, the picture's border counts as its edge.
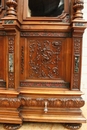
(11, 63)
(12, 5)
(44, 59)
(78, 6)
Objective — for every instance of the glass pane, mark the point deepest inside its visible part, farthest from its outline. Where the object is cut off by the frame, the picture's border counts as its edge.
(45, 8)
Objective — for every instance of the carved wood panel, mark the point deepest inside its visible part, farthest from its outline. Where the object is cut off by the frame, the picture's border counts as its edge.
(45, 59)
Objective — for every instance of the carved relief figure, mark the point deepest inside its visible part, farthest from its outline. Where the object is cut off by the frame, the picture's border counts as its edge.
(49, 8)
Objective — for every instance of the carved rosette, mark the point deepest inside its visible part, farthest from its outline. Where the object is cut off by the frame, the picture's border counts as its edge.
(12, 5)
(11, 76)
(78, 6)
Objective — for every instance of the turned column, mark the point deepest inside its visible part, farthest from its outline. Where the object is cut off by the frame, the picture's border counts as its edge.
(12, 5)
(78, 5)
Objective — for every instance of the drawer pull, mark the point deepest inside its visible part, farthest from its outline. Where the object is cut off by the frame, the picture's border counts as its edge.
(45, 109)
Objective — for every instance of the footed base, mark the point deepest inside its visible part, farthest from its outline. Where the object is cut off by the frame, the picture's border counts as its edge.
(12, 126)
(72, 126)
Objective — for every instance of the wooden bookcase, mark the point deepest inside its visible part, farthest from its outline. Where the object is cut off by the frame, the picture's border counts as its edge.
(40, 70)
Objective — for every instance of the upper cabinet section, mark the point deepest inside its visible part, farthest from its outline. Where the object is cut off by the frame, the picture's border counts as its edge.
(45, 8)
(43, 11)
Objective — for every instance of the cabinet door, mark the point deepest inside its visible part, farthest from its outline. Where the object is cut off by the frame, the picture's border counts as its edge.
(45, 62)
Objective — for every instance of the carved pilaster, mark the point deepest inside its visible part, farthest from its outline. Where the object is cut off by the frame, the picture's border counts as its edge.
(12, 5)
(77, 43)
(78, 6)
(11, 78)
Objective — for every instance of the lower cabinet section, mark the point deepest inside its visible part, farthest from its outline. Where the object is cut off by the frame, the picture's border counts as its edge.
(33, 106)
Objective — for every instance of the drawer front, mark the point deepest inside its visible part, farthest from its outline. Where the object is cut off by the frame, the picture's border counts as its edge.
(52, 102)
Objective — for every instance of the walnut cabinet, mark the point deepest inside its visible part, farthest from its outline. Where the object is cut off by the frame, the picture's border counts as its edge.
(40, 62)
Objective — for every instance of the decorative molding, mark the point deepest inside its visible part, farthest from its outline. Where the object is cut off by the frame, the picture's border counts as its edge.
(52, 102)
(10, 102)
(22, 59)
(45, 34)
(76, 81)
(12, 5)
(11, 80)
(40, 102)
(11, 44)
(77, 46)
(45, 84)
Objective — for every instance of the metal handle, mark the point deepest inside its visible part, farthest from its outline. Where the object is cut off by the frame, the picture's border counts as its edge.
(46, 109)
